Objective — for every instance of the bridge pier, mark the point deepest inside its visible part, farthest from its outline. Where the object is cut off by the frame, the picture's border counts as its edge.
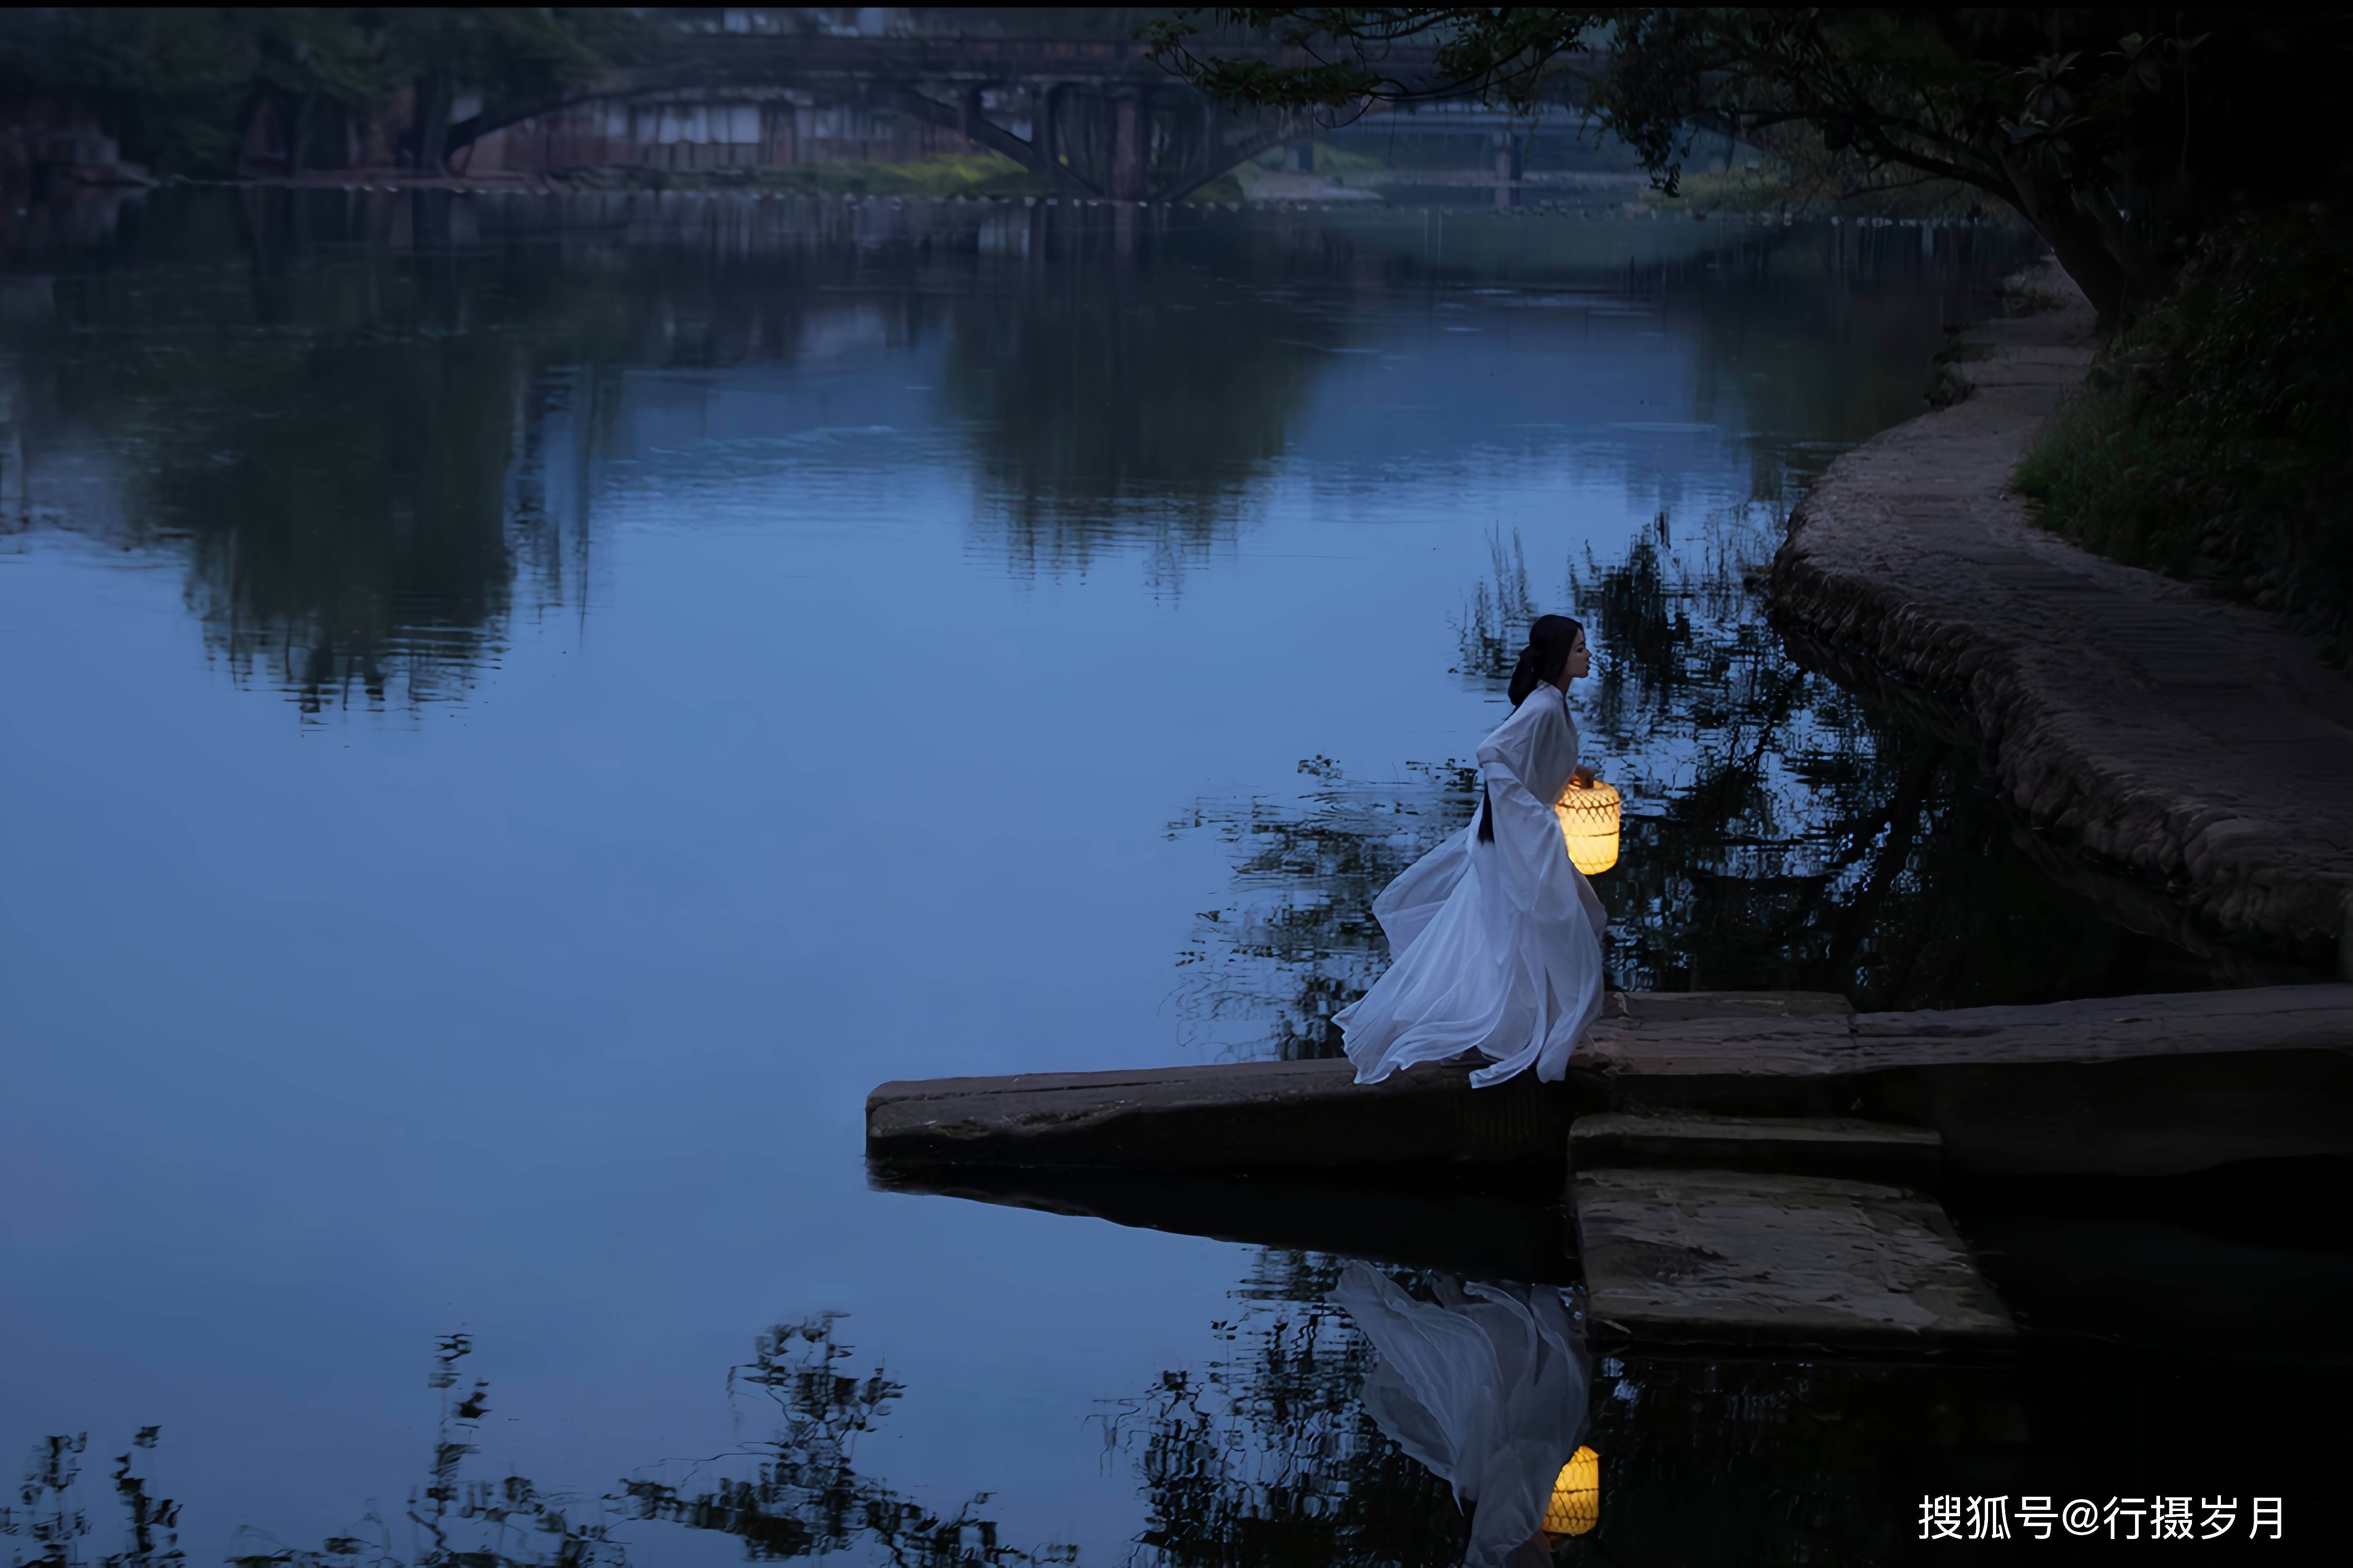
(1511, 157)
(1046, 133)
(1130, 146)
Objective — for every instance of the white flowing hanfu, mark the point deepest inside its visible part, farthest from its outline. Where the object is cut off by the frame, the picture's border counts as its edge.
(1487, 1386)
(1495, 945)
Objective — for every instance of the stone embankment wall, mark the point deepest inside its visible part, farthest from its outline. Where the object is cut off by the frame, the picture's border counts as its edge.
(2189, 744)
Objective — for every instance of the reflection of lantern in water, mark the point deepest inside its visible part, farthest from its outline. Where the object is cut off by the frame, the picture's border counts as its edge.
(1576, 1505)
(1589, 820)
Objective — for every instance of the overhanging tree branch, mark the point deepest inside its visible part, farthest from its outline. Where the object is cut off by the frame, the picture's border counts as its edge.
(2080, 119)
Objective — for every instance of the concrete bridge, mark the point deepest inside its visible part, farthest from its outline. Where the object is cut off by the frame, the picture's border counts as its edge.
(1094, 118)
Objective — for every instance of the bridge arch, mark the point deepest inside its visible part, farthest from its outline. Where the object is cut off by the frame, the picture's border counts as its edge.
(1092, 117)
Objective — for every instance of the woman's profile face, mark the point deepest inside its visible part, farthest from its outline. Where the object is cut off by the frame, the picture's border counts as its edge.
(1579, 661)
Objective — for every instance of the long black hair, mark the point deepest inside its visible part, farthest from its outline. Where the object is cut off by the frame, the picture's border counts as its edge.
(1550, 640)
(1550, 637)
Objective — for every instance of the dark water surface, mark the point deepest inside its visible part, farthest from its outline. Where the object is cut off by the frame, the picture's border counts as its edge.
(523, 710)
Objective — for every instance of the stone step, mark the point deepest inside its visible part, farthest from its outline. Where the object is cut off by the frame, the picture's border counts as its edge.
(1756, 1258)
(1800, 1146)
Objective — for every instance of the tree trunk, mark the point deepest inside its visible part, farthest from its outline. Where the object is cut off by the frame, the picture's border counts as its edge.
(299, 139)
(241, 165)
(429, 123)
(2083, 258)
(2143, 278)
(2074, 236)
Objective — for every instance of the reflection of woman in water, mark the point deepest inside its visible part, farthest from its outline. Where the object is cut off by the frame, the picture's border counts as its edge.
(1486, 1384)
(1495, 937)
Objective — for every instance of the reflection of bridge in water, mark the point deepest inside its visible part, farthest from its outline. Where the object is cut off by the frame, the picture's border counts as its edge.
(1093, 118)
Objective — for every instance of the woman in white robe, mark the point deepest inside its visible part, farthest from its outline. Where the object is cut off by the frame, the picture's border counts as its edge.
(1494, 936)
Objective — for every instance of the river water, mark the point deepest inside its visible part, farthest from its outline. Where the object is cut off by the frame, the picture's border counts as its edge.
(525, 708)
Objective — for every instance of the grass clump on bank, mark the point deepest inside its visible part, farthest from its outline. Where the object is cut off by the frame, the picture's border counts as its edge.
(954, 174)
(2213, 440)
(977, 174)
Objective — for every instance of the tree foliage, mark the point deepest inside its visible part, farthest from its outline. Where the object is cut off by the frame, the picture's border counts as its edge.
(2122, 134)
(179, 86)
(2211, 442)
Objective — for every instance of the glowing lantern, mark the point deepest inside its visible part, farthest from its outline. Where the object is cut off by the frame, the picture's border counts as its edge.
(1576, 1505)
(1589, 820)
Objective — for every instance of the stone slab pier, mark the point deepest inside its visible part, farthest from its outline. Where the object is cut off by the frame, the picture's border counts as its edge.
(1741, 1168)
(2124, 1086)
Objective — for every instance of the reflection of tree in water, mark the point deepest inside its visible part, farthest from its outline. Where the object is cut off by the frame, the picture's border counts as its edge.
(329, 434)
(418, 572)
(1780, 835)
(344, 427)
(1111, 403)
(1265, 1455)
(338, 412)
(338, 408)
(1269, 1457)
(343, 413)
(451, 1521)
(48, 1517)
(1300, 942)
(1133, 381)
(806, 1497)
(1262, 1455)
(803, 1499)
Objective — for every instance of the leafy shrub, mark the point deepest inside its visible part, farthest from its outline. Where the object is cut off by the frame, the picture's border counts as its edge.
(2214, 439)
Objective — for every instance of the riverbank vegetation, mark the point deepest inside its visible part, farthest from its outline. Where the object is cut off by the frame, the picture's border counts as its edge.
(182, 89)
(2211, 442)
